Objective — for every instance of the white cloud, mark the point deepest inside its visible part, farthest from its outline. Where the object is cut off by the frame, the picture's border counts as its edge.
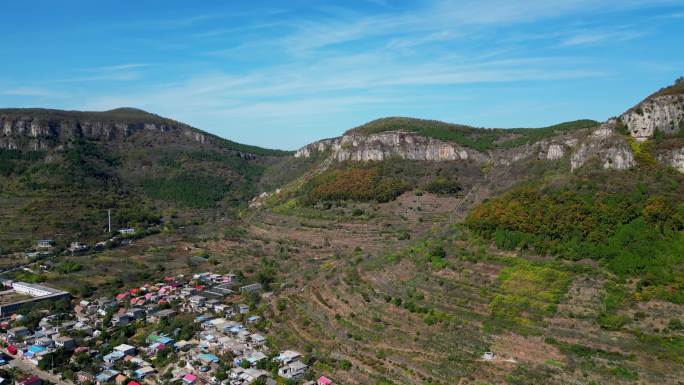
(27, 91)
(594, 37)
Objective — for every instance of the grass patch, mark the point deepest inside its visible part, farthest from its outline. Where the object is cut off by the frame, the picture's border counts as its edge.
(528, 293)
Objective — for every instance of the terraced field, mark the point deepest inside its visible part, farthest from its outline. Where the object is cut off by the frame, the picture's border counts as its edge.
(372, 307)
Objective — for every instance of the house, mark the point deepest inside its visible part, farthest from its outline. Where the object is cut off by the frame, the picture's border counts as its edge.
(144, 372)
(113, 357)
(77, 247)
(162, 314)
(121, 319)
(243, 335)
(136, 313)
(45, 243)
(257, 339)
(18, 332)
(32, 380)
(125, 349)
(44, 341)
(120, 379)
(253, 319)
(293, 370)
(250, 288)
(197, 300)
(208, 358)
(255, 358)
(127, 231)
(34, 350)
(66, 343)
(243, 309)
(323, 380)
(247, 376)
(288, 356)
(82, 377)
(160, 338)
(106, 376)
(189, 378)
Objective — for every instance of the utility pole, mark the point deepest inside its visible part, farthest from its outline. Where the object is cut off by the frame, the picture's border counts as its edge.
(109, 220)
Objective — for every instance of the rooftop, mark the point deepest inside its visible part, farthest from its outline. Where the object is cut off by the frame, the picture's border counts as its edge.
(10, 296)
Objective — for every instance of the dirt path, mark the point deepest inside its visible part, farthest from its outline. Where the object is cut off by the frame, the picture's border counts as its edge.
(29, 368)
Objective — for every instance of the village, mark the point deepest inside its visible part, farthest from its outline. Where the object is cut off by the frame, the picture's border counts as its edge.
(186, 330)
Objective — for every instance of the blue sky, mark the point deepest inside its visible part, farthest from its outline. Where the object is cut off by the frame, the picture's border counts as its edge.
(284, 73)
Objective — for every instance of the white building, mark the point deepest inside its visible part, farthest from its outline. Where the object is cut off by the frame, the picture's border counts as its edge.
(33, 290)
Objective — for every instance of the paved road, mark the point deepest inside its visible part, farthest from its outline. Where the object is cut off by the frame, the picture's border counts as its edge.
(30, 368)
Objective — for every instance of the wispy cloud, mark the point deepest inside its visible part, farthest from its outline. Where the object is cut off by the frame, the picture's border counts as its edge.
(115, 72)
(117, 67)
(594, 37)
(28, 91)
(261, 66)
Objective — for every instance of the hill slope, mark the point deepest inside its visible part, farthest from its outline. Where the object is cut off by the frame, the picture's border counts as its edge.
(415, 250)
(397, 257)
(61, 170)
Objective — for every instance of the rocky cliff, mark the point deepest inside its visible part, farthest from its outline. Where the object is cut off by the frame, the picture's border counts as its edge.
(606, 144)
(602, 143)
(37, 129)
(662, 111)
(387, 145)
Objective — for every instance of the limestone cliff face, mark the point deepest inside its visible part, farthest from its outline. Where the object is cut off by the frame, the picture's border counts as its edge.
(603, 144)
(673, 158)
(39, 133)
(388, 145)
(664, 113)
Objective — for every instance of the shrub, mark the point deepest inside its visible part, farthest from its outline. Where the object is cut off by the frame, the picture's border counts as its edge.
(612, 322)
(443, 186)
(69, 267)
(358, 184)
(675, 324)
(634, 234)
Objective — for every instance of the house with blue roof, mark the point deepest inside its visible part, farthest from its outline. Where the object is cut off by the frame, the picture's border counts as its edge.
(107, 375)
(34, 350)
(114, 356)
(208, 358)
(160, 338)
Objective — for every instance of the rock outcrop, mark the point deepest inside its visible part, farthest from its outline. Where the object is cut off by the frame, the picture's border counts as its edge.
(387, 145)
(602, 144)
(34, 131)
(673, 158)
(663, 113)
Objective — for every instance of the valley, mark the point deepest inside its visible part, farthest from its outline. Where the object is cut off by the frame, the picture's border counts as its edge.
(403, 252)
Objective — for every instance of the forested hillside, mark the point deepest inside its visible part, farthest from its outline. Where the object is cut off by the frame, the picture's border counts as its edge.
(62, 170)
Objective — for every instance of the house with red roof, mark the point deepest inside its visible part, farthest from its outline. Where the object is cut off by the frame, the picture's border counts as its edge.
(189, 378)
(323, 380)
(32, 380)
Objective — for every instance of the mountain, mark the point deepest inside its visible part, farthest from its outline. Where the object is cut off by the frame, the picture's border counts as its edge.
(405, 251)
(61, 171)
(416, 246)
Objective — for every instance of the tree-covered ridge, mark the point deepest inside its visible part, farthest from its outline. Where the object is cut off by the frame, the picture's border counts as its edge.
(675, 89)
(634, 233)
(477, 138)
